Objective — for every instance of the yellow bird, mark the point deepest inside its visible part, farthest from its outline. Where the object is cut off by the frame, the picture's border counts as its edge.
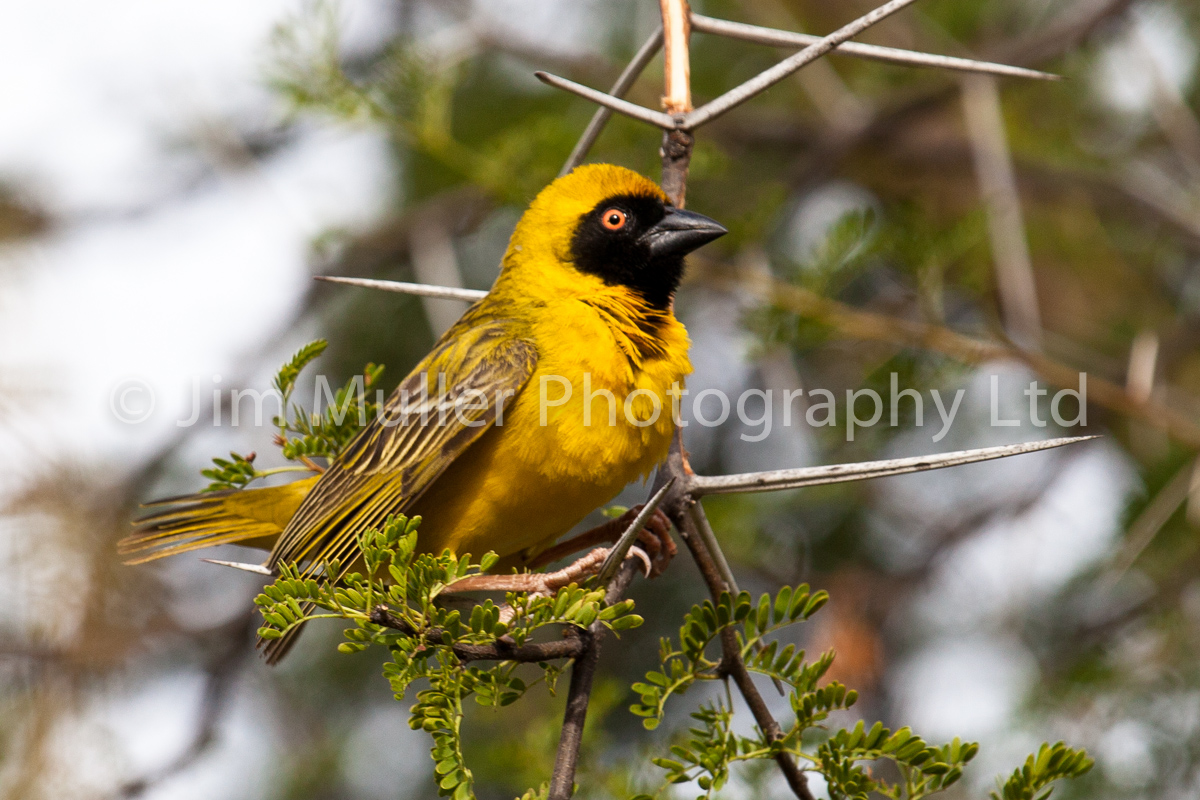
(523, 439)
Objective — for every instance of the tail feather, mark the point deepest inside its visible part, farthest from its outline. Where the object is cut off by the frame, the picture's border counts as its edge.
(253, 517)
(273, 650)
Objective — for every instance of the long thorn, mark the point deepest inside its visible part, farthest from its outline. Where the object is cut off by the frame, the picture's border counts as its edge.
(768, 78)
(615, 556)
(775, 480)
(890, 55)
(624, 83)
(420, 289)
(656, 118)
(257, 569)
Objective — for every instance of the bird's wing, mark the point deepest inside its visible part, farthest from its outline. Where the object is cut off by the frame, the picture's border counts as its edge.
(415, 438)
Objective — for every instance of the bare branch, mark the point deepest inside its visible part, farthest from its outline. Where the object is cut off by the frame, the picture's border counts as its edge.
(656, 118)
(889, 55)
(419, 289)
(501, 650)
(705, 532)
(1154, 516)
(624, 83)
(562, 781)
(768, 78)
(541, 582)
(731, 662)
(853, 323)
(775, 480)
(1006, 227)
(1143, 363)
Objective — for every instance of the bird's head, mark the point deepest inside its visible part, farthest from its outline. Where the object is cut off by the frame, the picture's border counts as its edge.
(611, 224)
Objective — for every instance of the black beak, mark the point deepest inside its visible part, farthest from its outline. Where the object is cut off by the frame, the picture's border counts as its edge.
(680, 232)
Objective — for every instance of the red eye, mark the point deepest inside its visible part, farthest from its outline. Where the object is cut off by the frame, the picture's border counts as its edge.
(613, 219)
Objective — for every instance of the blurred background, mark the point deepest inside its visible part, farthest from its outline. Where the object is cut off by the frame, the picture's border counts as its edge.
(172, 175)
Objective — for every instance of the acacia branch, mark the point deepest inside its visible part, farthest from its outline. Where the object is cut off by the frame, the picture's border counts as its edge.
(583, 672)
(768, 78)
(887, 55)
(570, 647)
(624, 83)
(685, 516)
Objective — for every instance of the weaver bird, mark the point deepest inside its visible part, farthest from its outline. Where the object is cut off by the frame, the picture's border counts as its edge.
(582, 305)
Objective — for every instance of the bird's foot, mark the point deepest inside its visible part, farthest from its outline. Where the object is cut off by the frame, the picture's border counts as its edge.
(546, 583)
(655, 540)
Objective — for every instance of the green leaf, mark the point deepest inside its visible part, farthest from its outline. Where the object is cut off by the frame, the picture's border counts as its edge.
(285, 378)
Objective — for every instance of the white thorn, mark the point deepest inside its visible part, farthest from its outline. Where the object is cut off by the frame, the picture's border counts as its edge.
(419, 289)
(257, 569)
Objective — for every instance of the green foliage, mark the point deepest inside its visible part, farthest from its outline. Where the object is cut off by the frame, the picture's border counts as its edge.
(690, 662)
(325, 435)
(427, 638)
(232, 473)
(1050, 763)
(304, 435)
(285, 378)
(708, 751)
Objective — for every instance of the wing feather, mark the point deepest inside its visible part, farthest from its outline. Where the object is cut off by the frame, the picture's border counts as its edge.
(419, 433)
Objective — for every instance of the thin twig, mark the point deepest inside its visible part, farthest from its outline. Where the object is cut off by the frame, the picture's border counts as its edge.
(889, 55)
(777, 37)
(1154, 516)
(583, 671)
(624, 83)
(768, 78)
(860, 325)
(656, 118)
(677, 67)
(1143, 363)
(1006, 227)
(621, 547)
(540, 582)
(570, 647)
(731, 661)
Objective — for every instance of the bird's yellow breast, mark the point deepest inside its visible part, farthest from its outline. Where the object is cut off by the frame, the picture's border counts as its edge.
(563, 447)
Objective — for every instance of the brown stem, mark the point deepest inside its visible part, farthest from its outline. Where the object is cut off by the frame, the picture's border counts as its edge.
(685, 512)
(731, 658)
(562, 781)
(570, 647)
(676, 152)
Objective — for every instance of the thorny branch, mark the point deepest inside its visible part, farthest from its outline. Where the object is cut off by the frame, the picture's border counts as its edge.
(570, 647)
(687, 514)
(583, 671)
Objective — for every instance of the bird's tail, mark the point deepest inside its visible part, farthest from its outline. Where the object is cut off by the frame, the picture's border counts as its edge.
(252, 517)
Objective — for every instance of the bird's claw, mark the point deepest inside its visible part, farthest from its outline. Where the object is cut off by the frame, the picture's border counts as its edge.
(655, 539)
